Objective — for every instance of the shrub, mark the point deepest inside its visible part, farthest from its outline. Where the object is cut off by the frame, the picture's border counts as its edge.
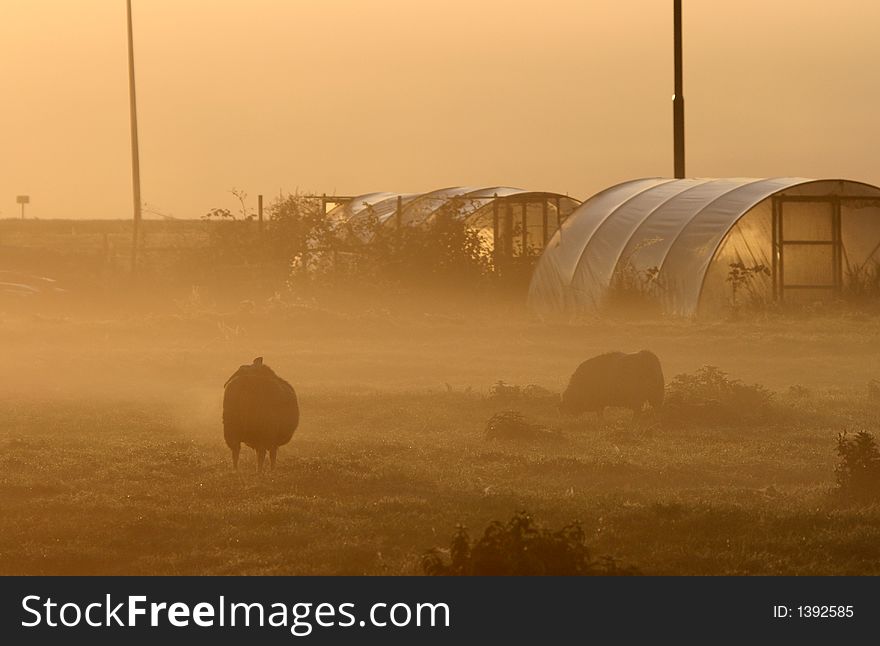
(862, 283)
(710, 396)
(232, 239)
(443, 253)
(301, 248)
(858, 472)
(635, 290)
(298, 231)
(295, 232)
(512, 425)
(797, 391)
(502, 391)
(743, 279)
(520, 548)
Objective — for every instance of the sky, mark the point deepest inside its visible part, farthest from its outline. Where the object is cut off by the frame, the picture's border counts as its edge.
(356, 96)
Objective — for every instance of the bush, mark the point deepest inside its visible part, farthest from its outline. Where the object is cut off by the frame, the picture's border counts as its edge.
(313, 256)
(512, 425)
(862, 283)
(709, 396)
(520, 548)
(298, 229)
(858, 472)
(797, 391)
(443, 253)
(744, 279)
(635, 291)
(295, 230)
(501, 391)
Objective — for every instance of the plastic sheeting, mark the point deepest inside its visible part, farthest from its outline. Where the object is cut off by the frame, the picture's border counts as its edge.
(475, 206)
(667, 233)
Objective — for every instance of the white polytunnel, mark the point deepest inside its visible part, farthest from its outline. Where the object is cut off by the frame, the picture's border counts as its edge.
(701, 246)
(514, 224)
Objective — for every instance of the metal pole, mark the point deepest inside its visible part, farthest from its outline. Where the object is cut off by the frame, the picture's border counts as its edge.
(496, 237)
(260, 212)
(774, 246)
(678, 97)
(836, 238)
(546, 220)
(135, 155)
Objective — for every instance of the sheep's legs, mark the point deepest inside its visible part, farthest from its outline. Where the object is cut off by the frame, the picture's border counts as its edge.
(261, 458)
(272, 453)
(235, 451)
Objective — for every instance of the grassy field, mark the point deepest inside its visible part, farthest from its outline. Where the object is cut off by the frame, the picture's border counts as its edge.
(113, 462)
(92, 254)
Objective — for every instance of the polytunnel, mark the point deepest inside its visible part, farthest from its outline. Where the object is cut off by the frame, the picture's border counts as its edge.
(700, 246)
(514, 224)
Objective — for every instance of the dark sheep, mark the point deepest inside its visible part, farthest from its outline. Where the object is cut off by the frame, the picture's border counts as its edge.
(259, 409)
(615, 379)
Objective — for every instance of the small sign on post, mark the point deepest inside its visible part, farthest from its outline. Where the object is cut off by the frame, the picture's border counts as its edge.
(23, 199)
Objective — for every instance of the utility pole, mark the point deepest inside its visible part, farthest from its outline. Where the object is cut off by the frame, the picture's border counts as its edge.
(135, 155)
(678, 97)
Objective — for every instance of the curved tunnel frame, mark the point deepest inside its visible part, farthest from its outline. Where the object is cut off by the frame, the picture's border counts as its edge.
(675, 227)
(470, 204)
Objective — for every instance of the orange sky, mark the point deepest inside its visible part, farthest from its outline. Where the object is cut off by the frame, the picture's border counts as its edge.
(361, 95)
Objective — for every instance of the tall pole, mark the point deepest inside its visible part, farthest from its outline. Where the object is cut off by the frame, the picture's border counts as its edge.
(678, 97)
(135, 156)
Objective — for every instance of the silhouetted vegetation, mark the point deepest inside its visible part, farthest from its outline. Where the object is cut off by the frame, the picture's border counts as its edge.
(295, 228)
(632, 291)
(513, 425)
(874, 389)
(797, 391)
(301, 250)
(710, 396)
(742, 279)
(444, 253)
(862, 283)
(858, 471)
(504, 392)
(520, 547)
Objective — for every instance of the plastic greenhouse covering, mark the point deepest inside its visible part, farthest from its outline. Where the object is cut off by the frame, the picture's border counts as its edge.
(522, 212)
(679, 241)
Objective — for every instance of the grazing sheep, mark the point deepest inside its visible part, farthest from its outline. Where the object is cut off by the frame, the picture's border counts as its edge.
(259, 409)
(615, 379)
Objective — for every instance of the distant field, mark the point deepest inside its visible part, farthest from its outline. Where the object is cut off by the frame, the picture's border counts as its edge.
(90, 236)
(89, 253)
(113, 460)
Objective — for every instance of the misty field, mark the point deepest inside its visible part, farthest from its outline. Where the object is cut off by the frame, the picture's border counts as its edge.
(113, 461)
